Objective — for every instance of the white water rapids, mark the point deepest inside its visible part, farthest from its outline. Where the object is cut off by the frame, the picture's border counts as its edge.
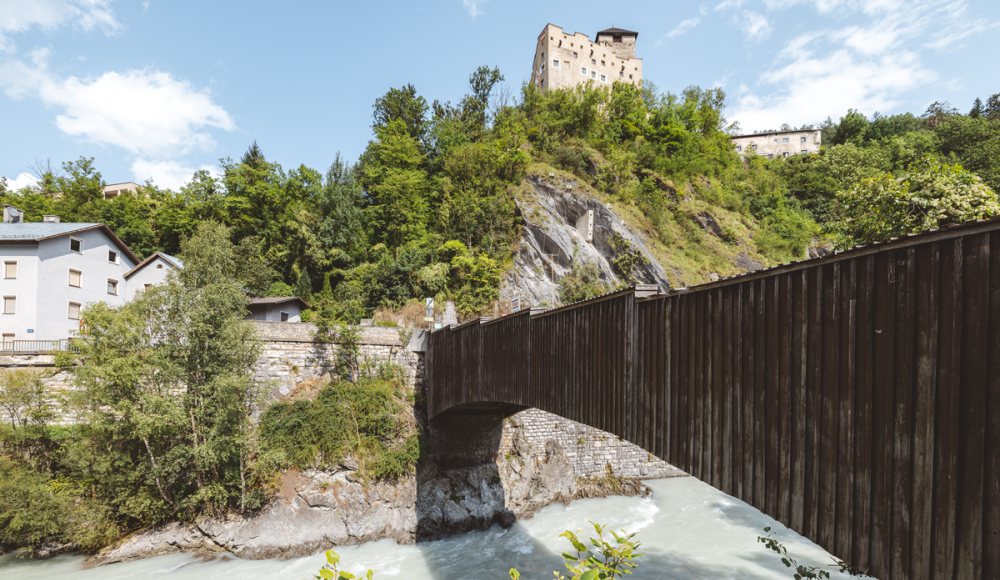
(688, 529)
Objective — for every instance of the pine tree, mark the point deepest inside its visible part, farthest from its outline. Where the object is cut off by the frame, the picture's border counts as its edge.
(977, 109)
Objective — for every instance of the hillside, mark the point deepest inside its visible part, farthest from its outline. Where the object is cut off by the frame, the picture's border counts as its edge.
(478, 201)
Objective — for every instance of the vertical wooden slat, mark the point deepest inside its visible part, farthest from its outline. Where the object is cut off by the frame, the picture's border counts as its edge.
(925, 367)
(772, 396)
(739, 434)
(750, 440)
(845, 412)
(829, 397)
(784, 372)
(760, 397)
(726, 384)
(814, 378)
(800, 420)
(975, 312)
(948, 412)
(902, 416)
(864, 374)
(991, 470)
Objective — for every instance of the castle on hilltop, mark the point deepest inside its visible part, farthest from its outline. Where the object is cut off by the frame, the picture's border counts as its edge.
(566, 60)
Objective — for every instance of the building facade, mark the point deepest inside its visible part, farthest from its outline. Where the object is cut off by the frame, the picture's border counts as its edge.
(51, 270)
(150, 271)
(277, 309)
(565, 60)
(780, 143)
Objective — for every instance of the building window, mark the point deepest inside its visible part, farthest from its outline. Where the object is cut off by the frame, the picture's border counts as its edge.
(804, 151)
(74, 311)
(629, 77)
(784, 140)
(112, 286)
(621, 75)
(593, 74)
(574, 55)
(74, 278)
(738, 148)
(775, 141)
(754, 147)
(284, 317)
(602, 63)
(76, 245)
(770, 156)
(593, 62)
(616, 38)
(112, 256)
(583, 70)
(9, 304)
(555, 63)
(10, 270)
(146, 287)
(802, 139)
(604, 78)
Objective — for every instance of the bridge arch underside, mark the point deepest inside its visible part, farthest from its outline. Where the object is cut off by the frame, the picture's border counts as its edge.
(854, 398)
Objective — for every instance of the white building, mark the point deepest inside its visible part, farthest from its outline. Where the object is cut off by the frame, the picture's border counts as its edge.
(780, 143)
(150, 271)
(277, 309)
(51, 270)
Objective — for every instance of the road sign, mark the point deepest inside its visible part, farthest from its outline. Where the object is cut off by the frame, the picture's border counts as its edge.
(429, 302)
(428, 319)
(515, 304)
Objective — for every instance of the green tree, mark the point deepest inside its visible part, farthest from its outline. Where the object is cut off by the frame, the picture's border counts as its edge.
(169, 388)
(403, 105)
(393, 176)
(851, 128)
(929, 196)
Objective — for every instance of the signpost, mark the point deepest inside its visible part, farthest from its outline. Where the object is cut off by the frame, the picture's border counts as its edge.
(515, 304)
(429, 303)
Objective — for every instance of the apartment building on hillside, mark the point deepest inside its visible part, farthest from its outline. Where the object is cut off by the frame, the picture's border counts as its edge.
(564, 60)
(780, 143)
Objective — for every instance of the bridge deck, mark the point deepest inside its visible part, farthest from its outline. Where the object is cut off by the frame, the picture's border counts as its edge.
(855, 398)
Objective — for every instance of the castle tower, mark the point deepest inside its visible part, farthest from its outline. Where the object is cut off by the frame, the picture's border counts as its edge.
(564, 60)
(620, 41)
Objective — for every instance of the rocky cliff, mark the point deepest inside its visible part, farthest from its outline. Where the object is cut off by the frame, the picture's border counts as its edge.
(551, 209)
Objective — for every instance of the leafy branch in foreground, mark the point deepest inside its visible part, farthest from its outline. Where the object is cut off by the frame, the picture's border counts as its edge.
(608, 561)
(772, 543)
(331, 572)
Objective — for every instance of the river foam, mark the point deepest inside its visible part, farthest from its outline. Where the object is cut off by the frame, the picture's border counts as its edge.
(688, 530)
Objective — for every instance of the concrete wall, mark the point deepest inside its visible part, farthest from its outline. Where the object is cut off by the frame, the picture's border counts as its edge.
(42, 286)
(773, 145)
(580, 61)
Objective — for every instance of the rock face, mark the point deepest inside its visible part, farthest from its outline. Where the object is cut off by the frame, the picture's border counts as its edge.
(317, 510)
(550, 238)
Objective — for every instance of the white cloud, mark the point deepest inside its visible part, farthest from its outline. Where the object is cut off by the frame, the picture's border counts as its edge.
(167, 174)
(472, 7)
(144, 111)
(21, 181)
(21, 15)
(145, 6)
(869, 67)
(683, 27)
(756, 26)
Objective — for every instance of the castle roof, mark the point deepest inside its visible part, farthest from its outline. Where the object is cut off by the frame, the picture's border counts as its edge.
(617, 32)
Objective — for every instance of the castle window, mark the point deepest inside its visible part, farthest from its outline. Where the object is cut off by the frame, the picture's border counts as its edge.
(593, 74)
(770, 155)
(775, 141)
(754, 147)
(629, 77)
(583, 70)
(616, 39)
(602, 63)
(784, 140)
(804, 151)
(738, 148)
(555, 63)
(621, 75)
(802, 140)
(593, 62)
(574, 55)
(604, 78)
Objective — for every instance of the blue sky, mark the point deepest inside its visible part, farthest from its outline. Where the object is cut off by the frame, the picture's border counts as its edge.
(158, 89)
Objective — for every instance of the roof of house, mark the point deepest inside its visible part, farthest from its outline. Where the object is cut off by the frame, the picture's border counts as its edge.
(617, 32)
(175, 262)
(30, 233)
(279, 300)
(766, 133)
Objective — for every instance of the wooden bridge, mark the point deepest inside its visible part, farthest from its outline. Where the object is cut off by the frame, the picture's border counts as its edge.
(855, 398)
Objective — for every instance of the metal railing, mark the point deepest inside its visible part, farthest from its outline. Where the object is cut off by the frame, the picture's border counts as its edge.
(14, 347)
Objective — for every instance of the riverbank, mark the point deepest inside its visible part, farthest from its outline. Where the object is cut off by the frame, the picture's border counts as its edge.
(688, 530)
